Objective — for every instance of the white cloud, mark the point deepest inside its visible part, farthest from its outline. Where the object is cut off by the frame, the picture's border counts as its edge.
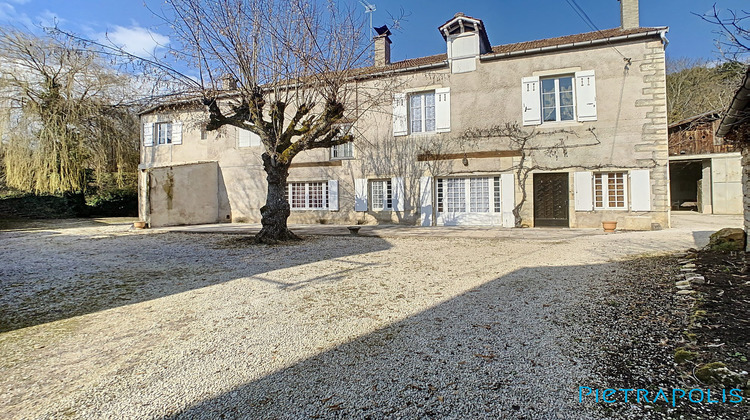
(135, 39)
(49, 19)
(9, 14)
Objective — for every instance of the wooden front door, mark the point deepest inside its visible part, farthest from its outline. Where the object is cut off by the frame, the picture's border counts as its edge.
(551, 199)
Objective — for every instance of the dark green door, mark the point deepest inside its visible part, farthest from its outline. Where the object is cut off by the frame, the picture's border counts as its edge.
(551, 199)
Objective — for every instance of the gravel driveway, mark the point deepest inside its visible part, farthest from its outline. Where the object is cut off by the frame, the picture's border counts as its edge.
(105, 322)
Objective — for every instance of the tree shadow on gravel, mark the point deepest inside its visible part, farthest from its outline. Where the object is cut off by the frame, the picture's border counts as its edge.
(511, 348)
(517, 347)
(53, 277)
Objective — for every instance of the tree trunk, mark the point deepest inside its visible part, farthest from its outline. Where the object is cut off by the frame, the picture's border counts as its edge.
(276, 211)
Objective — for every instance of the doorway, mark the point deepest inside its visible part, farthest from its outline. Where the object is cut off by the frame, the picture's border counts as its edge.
(551, 199)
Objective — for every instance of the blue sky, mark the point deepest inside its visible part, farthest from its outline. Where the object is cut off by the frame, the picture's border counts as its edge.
(507, 21)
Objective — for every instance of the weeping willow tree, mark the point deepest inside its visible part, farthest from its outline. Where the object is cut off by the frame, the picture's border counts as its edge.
(68, 113)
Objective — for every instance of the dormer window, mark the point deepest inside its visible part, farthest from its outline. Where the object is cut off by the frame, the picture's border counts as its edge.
(466, 39)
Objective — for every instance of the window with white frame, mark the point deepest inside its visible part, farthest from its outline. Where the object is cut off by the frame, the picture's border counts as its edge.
(381, 194)
(422, 112)
(343, 151)
(163, 132)
(610, 190)
(558, 99)
(346, 150)
(308, 195)
(475, 195)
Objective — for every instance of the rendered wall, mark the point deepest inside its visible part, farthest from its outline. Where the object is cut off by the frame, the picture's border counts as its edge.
(630, 133)
(180, 194)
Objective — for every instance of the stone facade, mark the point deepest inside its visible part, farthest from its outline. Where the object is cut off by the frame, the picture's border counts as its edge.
(627, 136)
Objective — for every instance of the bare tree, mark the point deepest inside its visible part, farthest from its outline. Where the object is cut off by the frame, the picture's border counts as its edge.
(733, 41)
(65, 114)
(290, 65)
(695, 87)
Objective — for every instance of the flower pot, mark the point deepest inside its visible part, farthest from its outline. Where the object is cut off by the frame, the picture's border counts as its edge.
(609, 226)
(139, 225)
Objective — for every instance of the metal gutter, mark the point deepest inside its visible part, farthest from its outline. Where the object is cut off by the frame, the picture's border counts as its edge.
(738, 109)
(496, 56)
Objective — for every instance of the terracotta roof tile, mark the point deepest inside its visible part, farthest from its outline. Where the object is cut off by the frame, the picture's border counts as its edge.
(509, 48)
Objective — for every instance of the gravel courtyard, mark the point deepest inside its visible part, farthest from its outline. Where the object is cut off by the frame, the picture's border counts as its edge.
(100, 321)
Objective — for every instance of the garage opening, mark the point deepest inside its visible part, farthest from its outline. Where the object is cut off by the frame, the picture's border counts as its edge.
(685, 185)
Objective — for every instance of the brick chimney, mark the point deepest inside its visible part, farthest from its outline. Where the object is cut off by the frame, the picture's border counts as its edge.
(382, 46)
(629, 18)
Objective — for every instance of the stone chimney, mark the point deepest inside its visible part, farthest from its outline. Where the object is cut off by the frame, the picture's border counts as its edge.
(382, 46)
(629, 14)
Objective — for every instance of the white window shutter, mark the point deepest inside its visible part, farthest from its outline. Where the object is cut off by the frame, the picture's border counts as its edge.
(583, 187)
(254, 139)
(508, 199)
(640, 190)
(397, 183)
(148, 134)
(531, 101)
(333, 195)
(443, 110)
(586, 95)
(360, 195)
(425, 200)
(243, 138)
(400, 126)
(177, 132)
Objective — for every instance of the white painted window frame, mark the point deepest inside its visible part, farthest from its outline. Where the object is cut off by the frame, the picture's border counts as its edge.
(605, 190)
(381, 200)
(557, 78)
(308, 196)
(157, 133)
(423, 126)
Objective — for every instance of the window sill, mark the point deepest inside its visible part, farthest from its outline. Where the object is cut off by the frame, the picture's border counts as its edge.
(343, 158)
(561, 124)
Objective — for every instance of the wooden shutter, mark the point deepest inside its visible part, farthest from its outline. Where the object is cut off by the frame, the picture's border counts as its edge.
(425, 200)
(531, 101)
(177, 132)
(333, 195)
(586, 95)
(508, 199)
(583, 188)
(397, 183)
(148, 134)
(400, 127)
(640, 190)
(360, 195)
(243, 138)
(443, 110)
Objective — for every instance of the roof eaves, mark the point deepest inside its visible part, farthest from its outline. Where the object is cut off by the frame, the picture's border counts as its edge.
(714, 113)
(563, 45)
(738, 108)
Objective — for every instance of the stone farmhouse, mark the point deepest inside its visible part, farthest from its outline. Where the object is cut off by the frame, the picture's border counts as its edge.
(568, 131)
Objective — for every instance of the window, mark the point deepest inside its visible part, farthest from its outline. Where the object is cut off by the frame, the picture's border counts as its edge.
(204, 134)
(346, 150)
(382, 194)
(163, 132)
(558, 99)
(610, 190)
(561, 98)
(456, 195)
(308, 195)
(422, 112)
(343, 151)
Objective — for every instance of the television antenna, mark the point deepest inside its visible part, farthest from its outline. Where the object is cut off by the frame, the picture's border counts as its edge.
(369, 8)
